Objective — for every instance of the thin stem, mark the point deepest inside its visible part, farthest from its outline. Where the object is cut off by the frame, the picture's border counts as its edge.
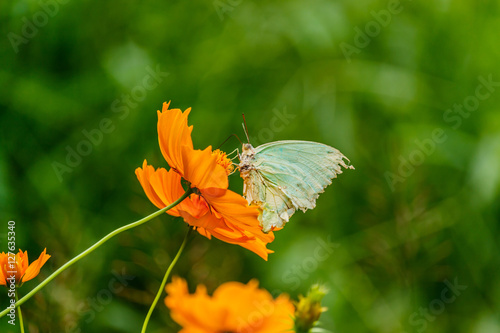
(20, 316)
(95, 246)
(164, 282)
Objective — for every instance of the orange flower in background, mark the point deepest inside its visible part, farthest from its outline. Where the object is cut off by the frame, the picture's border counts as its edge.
(234, 307)
(212, 210)
(19, 267)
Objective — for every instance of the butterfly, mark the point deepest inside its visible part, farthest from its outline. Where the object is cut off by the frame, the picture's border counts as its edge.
(283, 176)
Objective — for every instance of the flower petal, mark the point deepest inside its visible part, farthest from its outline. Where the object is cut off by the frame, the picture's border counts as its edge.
(258, 247)
(195, 311)
(163, 187)
(3, 268)
(173, 134)
(167, 185)
(209, 225)
(275, 315)
(35, 266)
(234, 307)
(217, 227)
(144, 176)
(231, 220)
(202, 170)
(22, 264)
(235, 210)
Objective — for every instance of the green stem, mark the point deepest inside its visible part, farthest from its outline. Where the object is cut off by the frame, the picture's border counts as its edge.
(20, 316)
(164, 282)
(95, 246)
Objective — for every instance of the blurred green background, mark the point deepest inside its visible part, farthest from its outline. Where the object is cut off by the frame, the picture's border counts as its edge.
(409, 91)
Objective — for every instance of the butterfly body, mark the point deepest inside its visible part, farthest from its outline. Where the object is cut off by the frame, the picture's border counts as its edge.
(283, 176)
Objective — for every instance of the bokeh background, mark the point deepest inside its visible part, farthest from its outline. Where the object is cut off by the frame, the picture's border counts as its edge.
(408, 90)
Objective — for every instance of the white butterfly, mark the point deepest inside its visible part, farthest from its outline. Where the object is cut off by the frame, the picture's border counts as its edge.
(283, 176)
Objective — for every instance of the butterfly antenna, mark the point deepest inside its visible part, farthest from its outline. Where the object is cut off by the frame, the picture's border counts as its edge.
(245, 128)
(229, 137)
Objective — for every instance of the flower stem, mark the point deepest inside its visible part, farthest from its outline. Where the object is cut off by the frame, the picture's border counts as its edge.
(164, 282)
(95, 246)
(20, 316)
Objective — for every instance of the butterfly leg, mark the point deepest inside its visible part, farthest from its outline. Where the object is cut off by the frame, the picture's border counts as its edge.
(236, 165)
(237, 151)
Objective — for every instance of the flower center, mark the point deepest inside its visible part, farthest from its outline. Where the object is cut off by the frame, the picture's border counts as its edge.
(223, 161)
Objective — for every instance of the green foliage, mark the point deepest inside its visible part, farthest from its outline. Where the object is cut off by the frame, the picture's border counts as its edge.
(408, 102)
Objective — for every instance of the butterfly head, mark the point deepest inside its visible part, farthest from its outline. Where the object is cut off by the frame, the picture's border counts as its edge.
(246, 157)
(247, 149)
(247, 152)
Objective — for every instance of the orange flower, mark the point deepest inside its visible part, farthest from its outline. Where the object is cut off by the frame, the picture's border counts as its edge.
(199, 167)
(234, 307)
(17, 266)
(212, 210)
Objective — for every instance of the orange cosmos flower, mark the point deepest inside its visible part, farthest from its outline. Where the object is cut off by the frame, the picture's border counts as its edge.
(17, 266)
(234, 307)
(199, 167)
(213, 209)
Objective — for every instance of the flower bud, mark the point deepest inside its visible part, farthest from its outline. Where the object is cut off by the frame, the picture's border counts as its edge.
(309, 309)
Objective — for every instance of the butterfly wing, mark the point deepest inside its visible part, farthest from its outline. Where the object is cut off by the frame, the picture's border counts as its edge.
(290, 175)
(261, 191)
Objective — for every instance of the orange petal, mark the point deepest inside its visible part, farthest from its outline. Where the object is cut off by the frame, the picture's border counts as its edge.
(209, 225)
(144, 175)
(167, 186)
(245, 240)
(164, 187)
(3, 268)
(196, 311)
(241, 219)
(240, 306)
(35, 266)
(196, 330)
(205, 221)
(22, 264)
(235, 210)
(198, 167)
(173, 134)
(258, 247)
(201, 169)
(197, 208)
(204, 232)
(226, 234)
(176, 290)
(234, 307)
(275, 315)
